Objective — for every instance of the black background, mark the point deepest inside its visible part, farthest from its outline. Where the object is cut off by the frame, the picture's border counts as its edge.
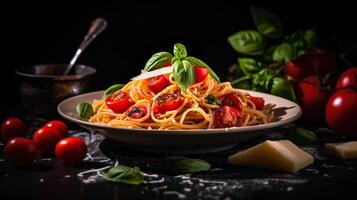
(50, 33)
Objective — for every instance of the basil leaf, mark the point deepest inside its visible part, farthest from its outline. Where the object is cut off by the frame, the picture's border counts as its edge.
(297, 40)
(197, 62)
(266, 22)
(249, 65)
(124, 174)
(268, 54)
(112, 89)
(157, 61)
(310, 37)
(299, 135)
(180, 51)
(247, 42)
(84, 110)
(283, 53)
(190, 165)
(183, 74)
(262, 80)
(283, 88)
(213, 100)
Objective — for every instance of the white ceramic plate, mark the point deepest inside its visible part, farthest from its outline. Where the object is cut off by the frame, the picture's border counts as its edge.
(183, 141)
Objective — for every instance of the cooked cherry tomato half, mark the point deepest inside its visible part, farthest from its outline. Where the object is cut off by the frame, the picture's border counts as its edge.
(226, 116)
(167, 102)
(348, 78)
(231, 100)
(62, 127)
(341, 112)
(11, 128)
(21, 151)
(201, 74)
(158, 83)
(258, 102)
(46, 139)
(119, 102)
(137, 112)
(71, 150)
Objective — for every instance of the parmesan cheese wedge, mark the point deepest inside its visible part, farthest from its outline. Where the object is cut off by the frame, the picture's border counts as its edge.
(346, 150)
(280, 155)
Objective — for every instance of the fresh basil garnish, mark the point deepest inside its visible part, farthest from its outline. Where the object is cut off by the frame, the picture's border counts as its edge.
(112, 89)
(213, 100)
(84, 110)
(249, 42)
(299, 135)
(183, 74)
(266, 22)
(158, 60)
(283, 88)
(197, 62)
(180, 51)
(249, 65)
(283, 53)
(190, 166)
(124, 174)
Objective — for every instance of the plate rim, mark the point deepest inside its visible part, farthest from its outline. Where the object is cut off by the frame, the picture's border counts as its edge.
(259, 127)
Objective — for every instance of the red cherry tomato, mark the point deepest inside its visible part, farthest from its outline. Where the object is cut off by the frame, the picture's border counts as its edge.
(21, 151)
(313, 99)
(167, 102)
(341, 112)
(231, 100)
(136, 112)
(12, 127)
(258, 102)
(226, 116)
(158, 83)
(348, 78)
(119, 102)
(71, 150)
(46, 139)
(317, 63)
(201, 74)
(60, 125)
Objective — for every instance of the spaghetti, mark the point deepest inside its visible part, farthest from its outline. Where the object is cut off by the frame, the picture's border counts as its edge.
(195, 110)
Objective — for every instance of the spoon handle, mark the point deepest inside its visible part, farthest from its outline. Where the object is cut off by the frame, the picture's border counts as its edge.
(98, 25)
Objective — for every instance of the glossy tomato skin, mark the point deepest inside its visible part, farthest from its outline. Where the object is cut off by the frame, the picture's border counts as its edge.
(258, 102)
(312, 99)
(341, 112)
(317, 63)
(348, 78)
(231, 100)
(201, 74)
(167, 102)
(137, 112)
(226, 116)
(11, 128)
(158, 83)
(21, 151)
(61, 126)
(119, 102)
(71, 150)
(46, 139)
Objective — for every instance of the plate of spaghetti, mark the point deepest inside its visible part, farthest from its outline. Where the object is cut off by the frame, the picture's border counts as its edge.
(179, 105)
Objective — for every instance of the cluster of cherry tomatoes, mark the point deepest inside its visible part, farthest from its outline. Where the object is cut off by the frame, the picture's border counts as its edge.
(320, 98)
(49, 140)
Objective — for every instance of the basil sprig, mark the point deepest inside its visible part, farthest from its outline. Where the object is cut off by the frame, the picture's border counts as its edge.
(266, 22)
(124, 174)
(190, 166)
(183, 65)
(248, 42)
(158, 60)
(110, 90)
(84, 110)
(183, 73)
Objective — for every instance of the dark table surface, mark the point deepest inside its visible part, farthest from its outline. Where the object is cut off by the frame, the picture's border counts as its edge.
(327, 178)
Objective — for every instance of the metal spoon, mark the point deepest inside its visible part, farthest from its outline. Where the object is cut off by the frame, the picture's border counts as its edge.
(98, 25)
